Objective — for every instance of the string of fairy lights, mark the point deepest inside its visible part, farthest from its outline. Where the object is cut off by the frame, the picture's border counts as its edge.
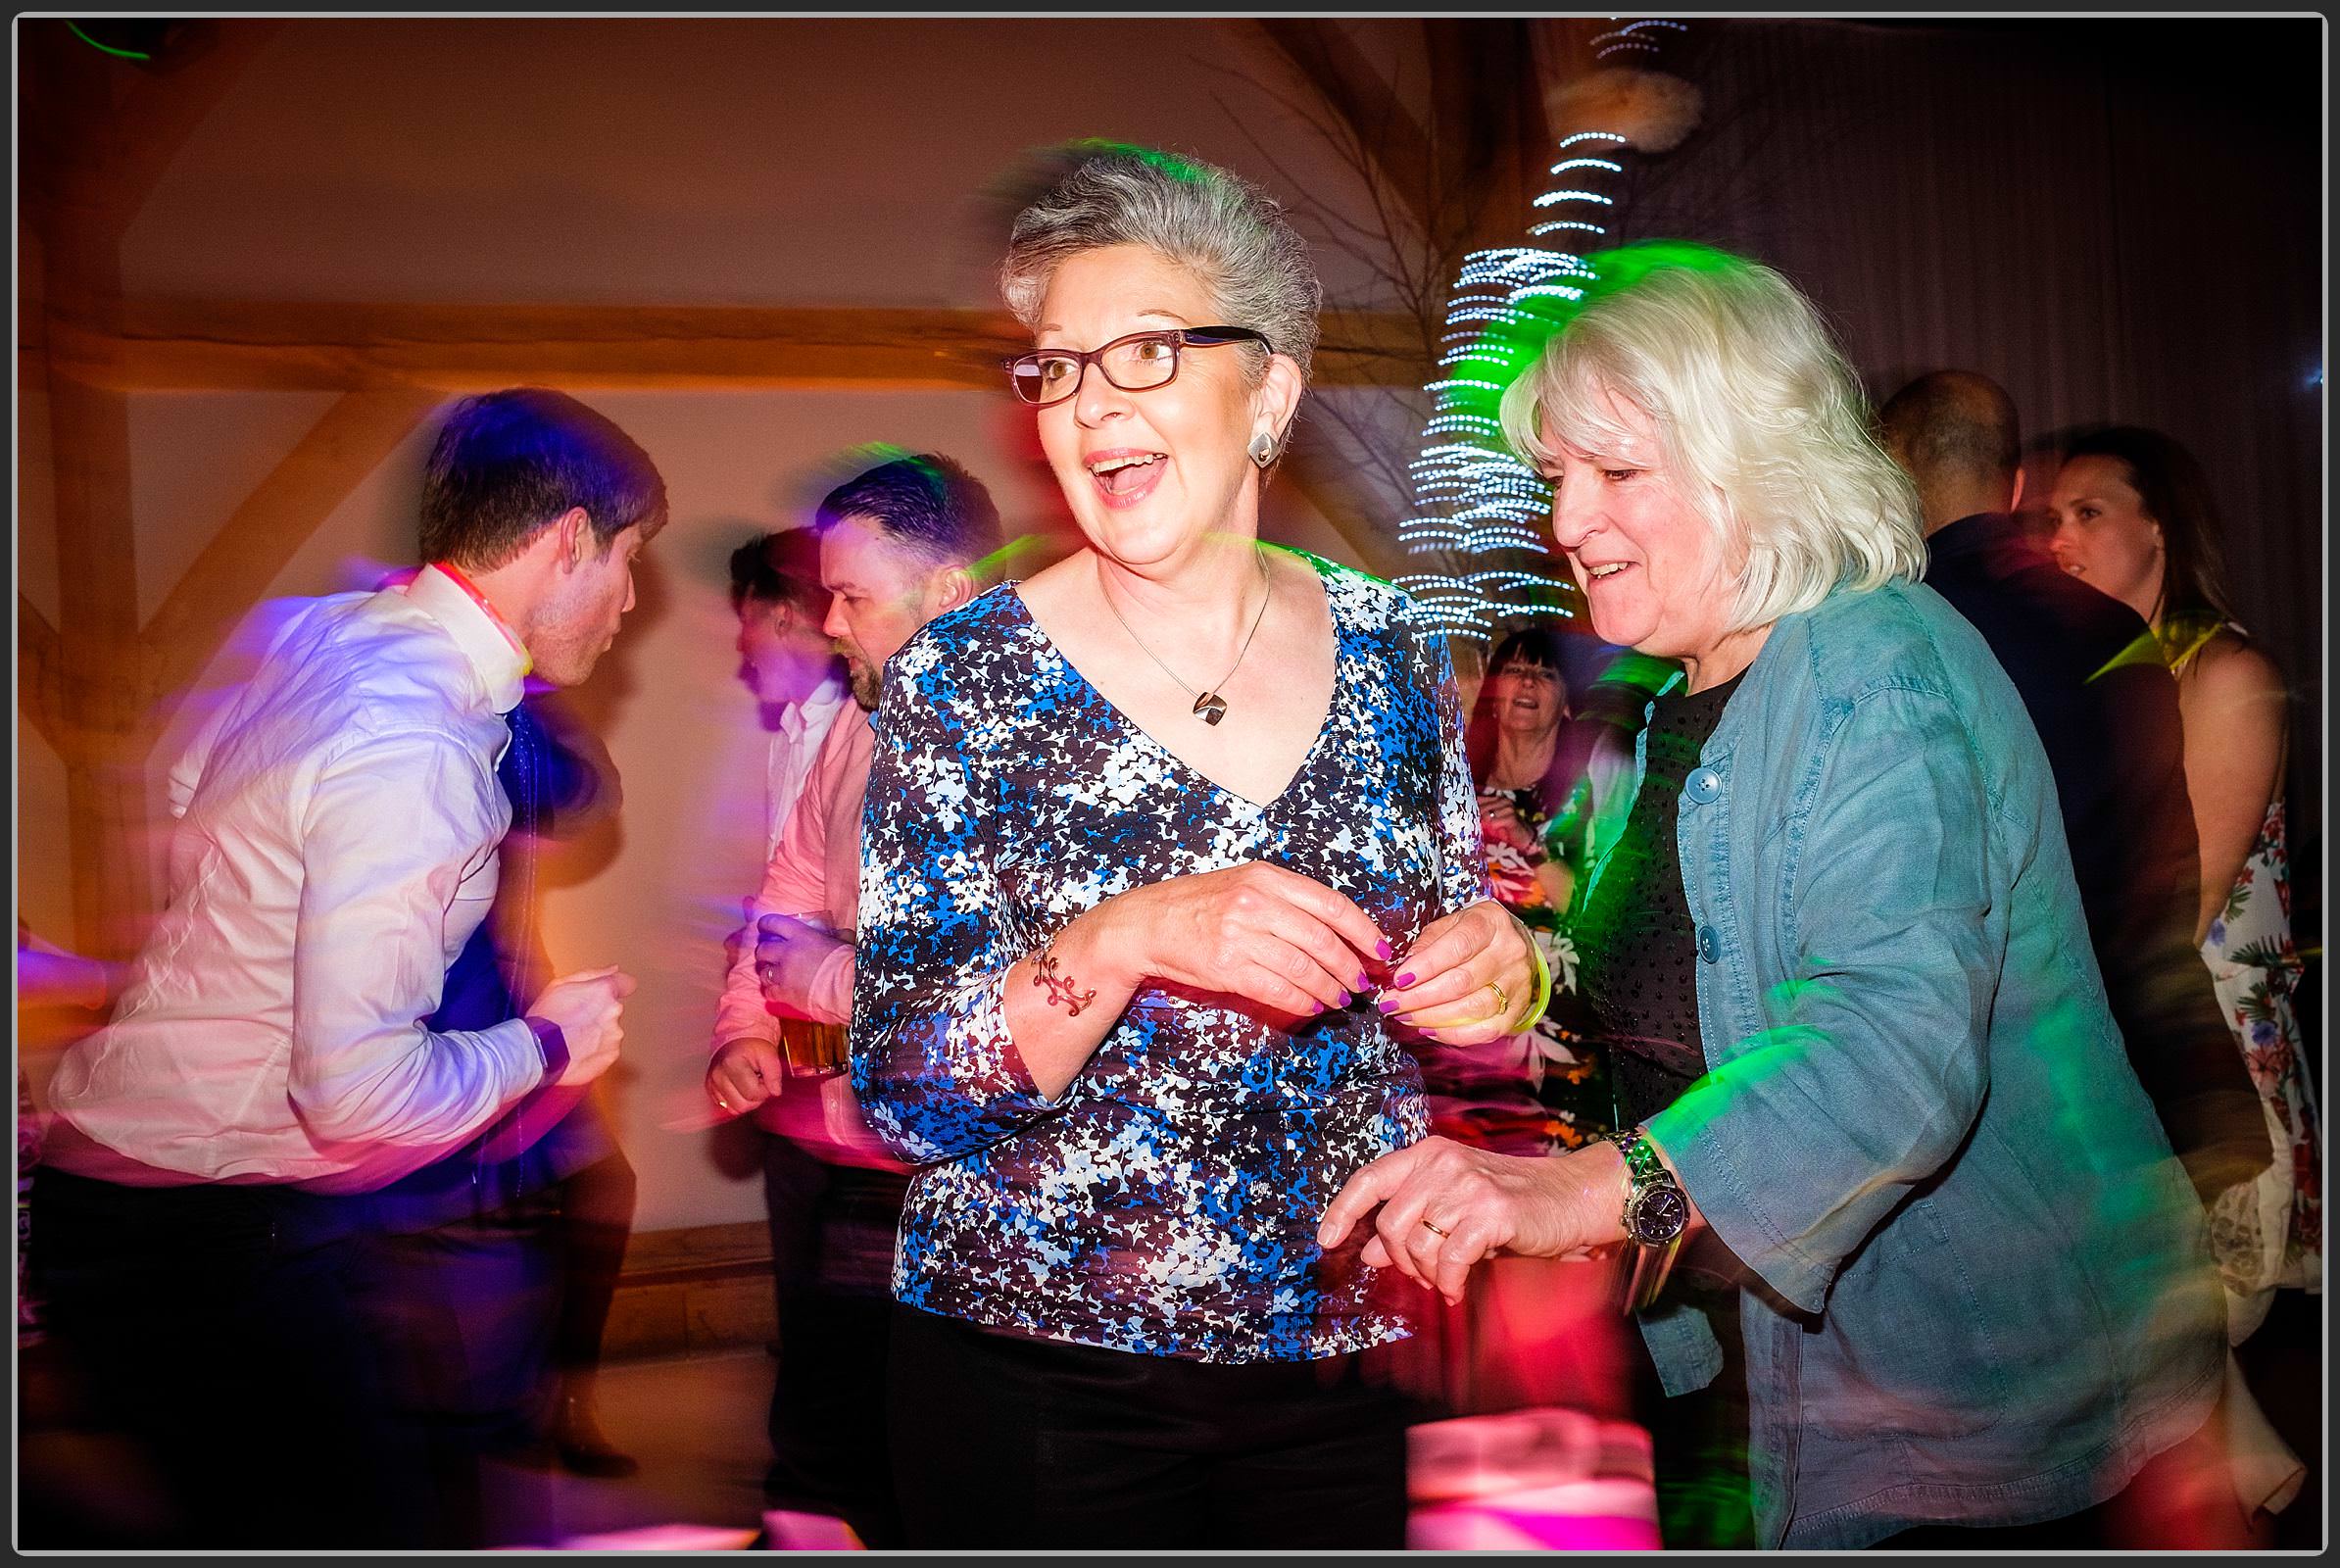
(1629, 36)
(1477, 517)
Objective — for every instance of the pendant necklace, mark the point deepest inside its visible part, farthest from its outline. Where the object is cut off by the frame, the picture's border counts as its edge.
(1209, 705)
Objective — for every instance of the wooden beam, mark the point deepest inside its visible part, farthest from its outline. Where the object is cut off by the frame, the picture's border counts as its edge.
(1467, 111)
(99, 134)
(184, 344)
(1330, 63)
(40, 671)
(204, 61)
(1492, 141)
(1464, 175)
(99, 704)
(1316, 474)
(1567, 47)
(351, 439)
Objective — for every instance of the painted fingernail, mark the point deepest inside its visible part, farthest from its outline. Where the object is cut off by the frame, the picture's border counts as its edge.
(1383, 948)
(1314, 1005)
(1403, 981)
(1347, 998)
(1363, 980)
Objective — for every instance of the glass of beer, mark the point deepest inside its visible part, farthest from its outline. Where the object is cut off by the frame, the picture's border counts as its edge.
(809, 1048)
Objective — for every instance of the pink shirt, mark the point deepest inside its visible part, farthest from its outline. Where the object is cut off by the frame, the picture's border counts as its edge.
(815, 871)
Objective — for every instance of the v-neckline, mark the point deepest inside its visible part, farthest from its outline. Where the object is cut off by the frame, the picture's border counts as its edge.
(1324, 727)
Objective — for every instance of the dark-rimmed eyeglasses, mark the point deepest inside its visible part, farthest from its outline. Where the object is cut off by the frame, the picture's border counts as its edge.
(1138, 363)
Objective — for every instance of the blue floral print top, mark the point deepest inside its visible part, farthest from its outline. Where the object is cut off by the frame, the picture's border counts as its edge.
(1168, 1203)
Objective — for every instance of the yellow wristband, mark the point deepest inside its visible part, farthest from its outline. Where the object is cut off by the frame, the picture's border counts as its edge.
(1543, 987)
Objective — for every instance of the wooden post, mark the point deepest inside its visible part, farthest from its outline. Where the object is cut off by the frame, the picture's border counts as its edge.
(97, 136)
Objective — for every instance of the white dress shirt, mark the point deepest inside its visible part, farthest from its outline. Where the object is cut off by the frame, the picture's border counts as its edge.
(795, 744)
(335, 846)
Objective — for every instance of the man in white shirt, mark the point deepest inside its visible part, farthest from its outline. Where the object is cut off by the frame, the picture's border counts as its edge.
(203, 1227)
(900, 544)
(786, 658)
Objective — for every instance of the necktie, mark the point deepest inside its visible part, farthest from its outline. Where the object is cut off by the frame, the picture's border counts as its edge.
(514, 916)
(495, 975)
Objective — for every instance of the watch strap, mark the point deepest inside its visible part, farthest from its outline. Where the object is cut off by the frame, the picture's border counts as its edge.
(1641, 1163)
(552, 1043)
(1642, 1266)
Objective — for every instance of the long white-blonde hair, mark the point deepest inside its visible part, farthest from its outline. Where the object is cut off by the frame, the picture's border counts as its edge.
(1763, 425)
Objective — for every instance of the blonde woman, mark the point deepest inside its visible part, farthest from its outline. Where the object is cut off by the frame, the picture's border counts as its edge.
(1938, 1266)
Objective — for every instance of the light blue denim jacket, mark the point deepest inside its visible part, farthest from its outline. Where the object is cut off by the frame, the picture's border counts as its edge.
(1985, 1295)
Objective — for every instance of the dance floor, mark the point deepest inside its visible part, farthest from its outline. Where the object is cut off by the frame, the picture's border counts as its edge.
(696, 1424)
(1535, 1479)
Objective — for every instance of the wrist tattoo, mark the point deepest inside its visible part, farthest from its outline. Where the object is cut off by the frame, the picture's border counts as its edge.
(1060, 988)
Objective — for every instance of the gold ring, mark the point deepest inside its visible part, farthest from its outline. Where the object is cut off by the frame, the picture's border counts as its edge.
(1502, 1000)
(1438, 1231)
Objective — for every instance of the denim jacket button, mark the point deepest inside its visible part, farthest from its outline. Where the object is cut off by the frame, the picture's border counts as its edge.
(1710, 945)
(1704, 785)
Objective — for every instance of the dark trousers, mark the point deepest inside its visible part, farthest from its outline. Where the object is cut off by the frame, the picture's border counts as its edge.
(832, 1230)
(482, 1322)
(462, 1315)
(214, 1326)
(597, 1219)
(1007, 1443)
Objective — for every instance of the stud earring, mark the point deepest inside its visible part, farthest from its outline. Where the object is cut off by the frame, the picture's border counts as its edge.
(1262, 449)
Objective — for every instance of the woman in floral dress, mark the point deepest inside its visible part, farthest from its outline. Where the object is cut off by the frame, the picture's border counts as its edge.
(2134, 516)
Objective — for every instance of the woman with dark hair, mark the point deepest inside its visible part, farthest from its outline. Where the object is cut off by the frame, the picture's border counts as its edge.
(1513, 743)
(2136, 518)
(1532, 1330)
(1525, 790)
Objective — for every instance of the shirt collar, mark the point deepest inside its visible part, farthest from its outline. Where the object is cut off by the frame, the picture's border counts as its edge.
(494, 649)
(2002, 545)
(830, 693)
(1971, 532)
(797, 720)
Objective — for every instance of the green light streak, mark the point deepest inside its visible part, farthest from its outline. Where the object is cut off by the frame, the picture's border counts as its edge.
(120, 54)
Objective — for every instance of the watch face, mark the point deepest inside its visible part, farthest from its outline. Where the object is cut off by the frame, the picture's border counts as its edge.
(1657, 1214)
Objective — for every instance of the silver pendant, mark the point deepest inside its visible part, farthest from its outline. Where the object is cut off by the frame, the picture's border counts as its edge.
(1211, 706)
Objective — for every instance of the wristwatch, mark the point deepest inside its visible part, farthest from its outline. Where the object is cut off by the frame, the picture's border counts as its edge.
(551, 1044)
(1656, 1211)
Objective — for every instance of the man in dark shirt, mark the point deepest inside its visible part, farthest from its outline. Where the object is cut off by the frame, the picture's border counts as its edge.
(2106, 710)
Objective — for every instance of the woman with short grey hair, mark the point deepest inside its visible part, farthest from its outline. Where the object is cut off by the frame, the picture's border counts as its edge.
(1165, 848)
(1222, 229)
(1940, 1273)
